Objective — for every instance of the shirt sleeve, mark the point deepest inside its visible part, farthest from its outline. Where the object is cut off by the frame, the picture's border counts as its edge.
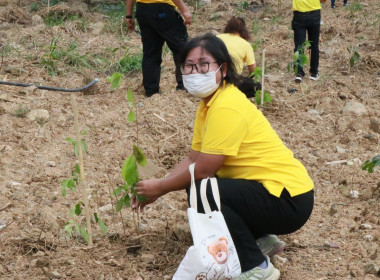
(250, 57)
(225, 129)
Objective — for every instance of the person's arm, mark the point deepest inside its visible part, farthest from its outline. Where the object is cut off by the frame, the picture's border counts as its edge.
(129, 21)
(206, 165)
(184, 11)
(251, 68)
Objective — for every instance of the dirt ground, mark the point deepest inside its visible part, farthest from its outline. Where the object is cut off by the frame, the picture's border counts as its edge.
(332, 125)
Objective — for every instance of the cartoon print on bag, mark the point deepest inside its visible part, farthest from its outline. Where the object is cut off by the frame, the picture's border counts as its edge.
(201, 276)
(219, 251)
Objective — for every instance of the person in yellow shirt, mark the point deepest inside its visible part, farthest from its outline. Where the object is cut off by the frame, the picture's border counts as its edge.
(159, 22)
(263, 188)
(236, 37)
(307, 19)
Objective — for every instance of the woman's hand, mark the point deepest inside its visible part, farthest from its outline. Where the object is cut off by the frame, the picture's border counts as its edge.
(150, 189)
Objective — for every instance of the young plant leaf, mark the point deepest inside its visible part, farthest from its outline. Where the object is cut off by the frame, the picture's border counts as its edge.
(130, 96)
(83, 232)
(131, 116)
(115, 80)
(129, 170)
(78, 209)
(127, 201)
(102, 226)
(139, 155)
(119, 204)
(370, 164)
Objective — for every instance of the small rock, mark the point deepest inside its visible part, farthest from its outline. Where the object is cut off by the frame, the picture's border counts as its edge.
(365, 226)
(13, 184)
(333, 210)
(292, 90)
(51, 274)
(368, 237)
(342, 96)
(353, 107)
(354, 194)
(14, 70)
(188, 102)
(51, 163)
(369, 136)
(313, 112)
(39, 115)
(373, 124)
(106, 208)
(371, 268)
(340, 150)
(147, 258)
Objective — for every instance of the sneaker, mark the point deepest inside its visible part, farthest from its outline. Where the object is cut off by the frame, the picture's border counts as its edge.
(270, 245)
(314, 77)
(333, 6)
(150, 94)
(346, 4)
(298, 78)
(258, 273)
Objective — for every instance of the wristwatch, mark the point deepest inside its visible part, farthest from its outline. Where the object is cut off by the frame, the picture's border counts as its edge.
(128, 17)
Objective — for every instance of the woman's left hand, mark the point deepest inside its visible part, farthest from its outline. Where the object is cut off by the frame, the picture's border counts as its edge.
(150, 189)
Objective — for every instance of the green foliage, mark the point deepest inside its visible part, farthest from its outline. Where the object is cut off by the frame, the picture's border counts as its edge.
(51, 2)
(34, 7)
(267, 97)
(299, 58)
(354, 7)
(83, 144)
(115, 80)
(274, 19)
(355, 56)
(255, 27)
(370, 164)
(71, 183)
(57, 19)
(129, 170)
(69, 56)
(21, 111)
(128, 62)
(243, 5)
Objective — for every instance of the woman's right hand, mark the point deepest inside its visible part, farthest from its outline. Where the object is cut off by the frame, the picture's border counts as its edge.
(150, 189)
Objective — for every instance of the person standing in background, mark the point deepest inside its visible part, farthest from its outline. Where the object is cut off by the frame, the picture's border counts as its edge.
(235, 37)
(307, 18)
(345, 3)
(159, 22)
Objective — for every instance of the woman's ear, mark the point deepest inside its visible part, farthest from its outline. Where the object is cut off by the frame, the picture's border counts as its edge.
(224, 69)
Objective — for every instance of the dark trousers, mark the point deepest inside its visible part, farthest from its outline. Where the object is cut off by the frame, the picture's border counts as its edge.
(248, 86)
(309, 22)
(333, 2)
(159, 23)
(250, 212)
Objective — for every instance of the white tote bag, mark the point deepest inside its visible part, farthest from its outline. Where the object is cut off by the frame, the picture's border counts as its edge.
(213, 255)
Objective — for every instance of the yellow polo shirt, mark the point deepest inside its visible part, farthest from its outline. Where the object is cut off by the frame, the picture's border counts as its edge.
(231, 125)
(157, 2)
(306, 5)
(239, 49)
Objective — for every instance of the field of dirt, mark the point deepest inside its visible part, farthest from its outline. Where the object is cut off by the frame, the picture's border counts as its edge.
(332, 125)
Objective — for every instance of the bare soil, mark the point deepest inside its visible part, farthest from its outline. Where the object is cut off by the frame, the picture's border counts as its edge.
(341, 239)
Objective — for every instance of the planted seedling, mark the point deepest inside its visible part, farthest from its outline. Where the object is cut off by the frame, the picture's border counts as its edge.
(76, 223)
(129, 171)
(355, 56)
(299, 58)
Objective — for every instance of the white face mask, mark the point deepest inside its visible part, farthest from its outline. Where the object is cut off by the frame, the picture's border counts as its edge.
(201, 85)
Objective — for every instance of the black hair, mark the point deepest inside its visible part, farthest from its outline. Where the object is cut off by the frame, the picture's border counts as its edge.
(217, 49)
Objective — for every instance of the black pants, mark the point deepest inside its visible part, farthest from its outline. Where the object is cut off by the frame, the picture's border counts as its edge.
(251, 211)
(159, 23)
(248, 86)
(309, 22)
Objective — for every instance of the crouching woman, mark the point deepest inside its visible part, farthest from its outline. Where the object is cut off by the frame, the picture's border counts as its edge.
(264, 190)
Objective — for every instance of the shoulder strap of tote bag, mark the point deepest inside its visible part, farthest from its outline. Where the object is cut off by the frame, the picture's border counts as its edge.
(193, 191)
(215, 193)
